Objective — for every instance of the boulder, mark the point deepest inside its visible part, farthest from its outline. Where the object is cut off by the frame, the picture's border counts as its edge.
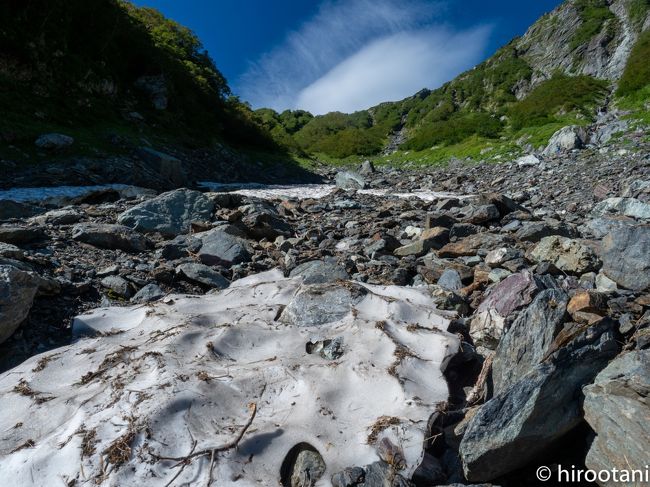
(202, 274)
(431, 238)
(19, 235)
(450, 280)
(526, 419)
(527, 160)
(535, 231)
(349, 180)
(267, 225)
(119, 286)
(62, 216)
(568, 255)
(528, 339)
(53, 141)
(631, 207)
(319, 272)
(617, 408)
(108, 236)
(169, 213)
(17, 291)
(625, 255)
(367, 168)
(14, 209)
(218, 247)
(477, 215)
(565, 139)
(469, 246)
(150, 292)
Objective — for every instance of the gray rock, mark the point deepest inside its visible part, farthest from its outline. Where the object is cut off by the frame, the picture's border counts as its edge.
(566, 254)
(319, 272)
(599, 227)
(535, 231)
(118, 285)
(617, 409)
(349, 180)
(498, 274)
(431, 238)
(450, 280)
(317, 304)
(528, 339)
(631, 207)
(460, 230)
(179, 247)
(267, 225)
(13, 209)
(150, 292)
(380, 474)
(19, 235)
(10, 251)
(516, 426)
(307, 468)
(348, 477)
(108, 236)
(567, 138)
(481, 214)
(218, 247)
(17, 291)
(170, 213)
(156, 88)
(63, 216)
(54, 141)
(626, 257)
(202, 274)
(527, 161)
(367, 168)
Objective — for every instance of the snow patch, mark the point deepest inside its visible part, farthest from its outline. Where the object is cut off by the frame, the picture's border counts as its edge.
(180, 375)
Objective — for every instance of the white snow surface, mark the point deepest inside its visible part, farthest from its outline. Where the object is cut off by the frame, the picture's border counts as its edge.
(185, 369)
(54, 193)
(315, 191)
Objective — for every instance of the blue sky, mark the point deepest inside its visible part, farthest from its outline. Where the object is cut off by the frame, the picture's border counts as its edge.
(324, 55)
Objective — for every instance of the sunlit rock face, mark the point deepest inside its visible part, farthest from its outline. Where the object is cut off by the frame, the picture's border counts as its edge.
(315, 374)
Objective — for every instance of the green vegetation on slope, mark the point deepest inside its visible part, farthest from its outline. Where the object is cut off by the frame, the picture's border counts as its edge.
(593, 13)
(577, 94)
(85, 67)
(637, 70)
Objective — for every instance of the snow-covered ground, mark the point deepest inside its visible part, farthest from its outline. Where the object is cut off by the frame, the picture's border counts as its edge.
(187, 374)
(44, 194)
(314, 191)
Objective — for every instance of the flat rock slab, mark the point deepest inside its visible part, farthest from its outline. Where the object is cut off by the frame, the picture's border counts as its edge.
(189, 368)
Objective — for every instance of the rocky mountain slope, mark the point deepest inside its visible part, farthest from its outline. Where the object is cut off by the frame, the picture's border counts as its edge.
(565, 68)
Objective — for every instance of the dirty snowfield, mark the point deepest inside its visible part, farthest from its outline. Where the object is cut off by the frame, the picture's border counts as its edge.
(315, 191)
(231, 387)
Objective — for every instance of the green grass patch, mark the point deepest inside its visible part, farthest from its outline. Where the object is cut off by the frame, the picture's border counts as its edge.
(593, 13)
(559, 94)
(637, 70)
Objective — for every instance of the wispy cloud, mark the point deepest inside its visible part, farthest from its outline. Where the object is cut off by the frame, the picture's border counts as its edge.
(356, 53)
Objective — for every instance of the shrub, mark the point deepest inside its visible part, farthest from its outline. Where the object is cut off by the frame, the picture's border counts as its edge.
(637, 70)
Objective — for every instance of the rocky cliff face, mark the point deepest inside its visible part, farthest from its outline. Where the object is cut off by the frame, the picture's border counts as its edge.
(582, 37)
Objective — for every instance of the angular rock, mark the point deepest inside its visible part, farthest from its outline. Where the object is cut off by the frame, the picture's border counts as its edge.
(431, 238)
(527, 161)
(626, 257)
(170, 213)
(108, 236)
(53, 141)
(481, 214)
(535, 231)
(349, 180)
(565, 139)
(450, 280)
(17, 291)
(470, 245)
(267, 225)
(218, 247)
(319, 272)
(150, 292)
(14, 209)
(202, 274)
(587, 306)
(631, 207)
(118, 285)
(566, 254)
(168, 167)
(528, 339)
(617, 409)
(19, 235)
(516, 426)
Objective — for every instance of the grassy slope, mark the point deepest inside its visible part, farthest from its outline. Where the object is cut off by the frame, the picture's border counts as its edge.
(72, 66)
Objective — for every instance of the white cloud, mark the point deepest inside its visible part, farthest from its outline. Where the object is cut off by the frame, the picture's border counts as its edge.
(393, 68)
(356, 53)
